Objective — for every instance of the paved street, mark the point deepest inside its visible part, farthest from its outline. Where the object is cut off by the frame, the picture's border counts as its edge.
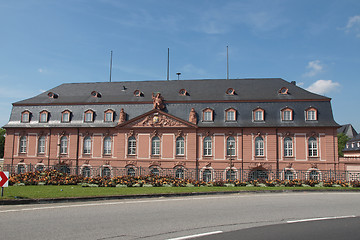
(166, 218)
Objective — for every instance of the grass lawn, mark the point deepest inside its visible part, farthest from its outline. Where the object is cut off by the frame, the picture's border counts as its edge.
(36, 192)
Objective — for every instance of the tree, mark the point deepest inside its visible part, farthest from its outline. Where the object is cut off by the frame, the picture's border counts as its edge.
(2, 142)
(342, 139)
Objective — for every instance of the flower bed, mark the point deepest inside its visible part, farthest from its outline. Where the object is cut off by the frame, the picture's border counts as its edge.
(53, 177)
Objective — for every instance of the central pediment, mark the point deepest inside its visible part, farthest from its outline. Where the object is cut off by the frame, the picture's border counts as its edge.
(156, 119)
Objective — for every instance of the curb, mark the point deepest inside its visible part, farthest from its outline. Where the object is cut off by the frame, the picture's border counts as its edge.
(117, 197)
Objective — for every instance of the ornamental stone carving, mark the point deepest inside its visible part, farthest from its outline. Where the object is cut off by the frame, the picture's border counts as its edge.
(158, 120)
(158, 101)
(192, 116)
(122, 116)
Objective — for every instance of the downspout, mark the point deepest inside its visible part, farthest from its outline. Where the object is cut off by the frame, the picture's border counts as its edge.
(242, 154)
(335, 139)
(49, 150)
(197, 157)
(77, 153)
(277, 155)
(12, 155)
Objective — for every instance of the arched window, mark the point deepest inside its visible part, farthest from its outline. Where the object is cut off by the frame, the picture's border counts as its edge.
(289, 175)
(230, 174)
(107, 146)
(313, 149)
(40, 167)
(21, 168)
(25, 117)
(207, 146)
(86, 172)
(65, 116)
(179, 173)
(41, 145)
(311, 114)
(89, 116)
(288, 147)
(314, 175)
(208, 115)
(180, 146)
(206, 176)
(155, 171)
(258, 114)
(43, 117)
(132, 145)
(131, 171)
(155, 146)
(106, 172)
(109, 116)
(230, 146)
(287, 114)
(63, 145)
(259, 146)
(87, 145)
(22, 144)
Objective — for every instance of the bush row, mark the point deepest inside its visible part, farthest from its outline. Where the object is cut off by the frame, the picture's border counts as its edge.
(53, 177)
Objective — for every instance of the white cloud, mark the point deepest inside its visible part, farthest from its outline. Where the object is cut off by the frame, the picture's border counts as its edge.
(315, 67)
(353, 25)
(323, 86)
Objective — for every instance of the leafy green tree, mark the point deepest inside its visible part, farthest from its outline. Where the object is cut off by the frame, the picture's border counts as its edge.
(2, 142)
(342, 139)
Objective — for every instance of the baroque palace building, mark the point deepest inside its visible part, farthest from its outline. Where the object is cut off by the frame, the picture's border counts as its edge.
(202, 127)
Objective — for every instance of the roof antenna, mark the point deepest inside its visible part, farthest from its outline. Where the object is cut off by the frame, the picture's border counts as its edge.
(227, 62)
(110, 63)
(178, 73)
(168, 64)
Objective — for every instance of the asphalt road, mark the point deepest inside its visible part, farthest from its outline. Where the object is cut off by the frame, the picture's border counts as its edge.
(171, 218)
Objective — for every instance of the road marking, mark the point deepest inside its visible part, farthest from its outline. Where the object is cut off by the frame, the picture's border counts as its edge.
(319, 219)
(196, 235)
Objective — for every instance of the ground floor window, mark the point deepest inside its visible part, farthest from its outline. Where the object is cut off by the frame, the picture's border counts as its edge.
(206, 176)
(86, 172)
(314, 175)
(131, 171)
(230, 175)
(155, 171)
(106, 172)
(258, 175)
(21, 168)
(179, 173)
(288, 175)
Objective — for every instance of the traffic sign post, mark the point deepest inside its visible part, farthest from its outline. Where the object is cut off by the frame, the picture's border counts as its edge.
(4, 181)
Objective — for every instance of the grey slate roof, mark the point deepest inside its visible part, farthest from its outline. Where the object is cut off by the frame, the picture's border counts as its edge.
(352, 144)
(348, 130)
(250, 94)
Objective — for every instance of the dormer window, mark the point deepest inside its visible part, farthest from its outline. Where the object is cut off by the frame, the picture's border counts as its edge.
(44, 116)
(95, 94)
(89, 116)
(65, 116)
(311, 114)
(52, 95)
(287, 114)
(258, 115)
(25, 117)
(183, 92)
(283, 90)
(208, 115)
(230, 115)
(138, 93)
(109, 115)
(230, 91)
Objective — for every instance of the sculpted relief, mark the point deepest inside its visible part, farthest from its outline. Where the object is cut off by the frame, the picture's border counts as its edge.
(158, 120)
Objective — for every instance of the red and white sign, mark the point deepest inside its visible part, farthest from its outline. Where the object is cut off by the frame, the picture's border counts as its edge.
(4, 179)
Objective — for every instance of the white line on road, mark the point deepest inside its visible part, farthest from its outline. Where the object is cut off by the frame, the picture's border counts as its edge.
(319, 219)
(196, 235)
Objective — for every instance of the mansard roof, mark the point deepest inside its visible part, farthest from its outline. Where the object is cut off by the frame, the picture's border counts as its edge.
(197, 90)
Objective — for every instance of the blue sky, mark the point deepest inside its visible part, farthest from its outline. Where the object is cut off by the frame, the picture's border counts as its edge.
(45, 43)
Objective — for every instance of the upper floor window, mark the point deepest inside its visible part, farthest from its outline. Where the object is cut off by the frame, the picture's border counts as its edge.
(65, 116)
(311, 114)
(89, 116)
(63, 145)
(132, 145)
(258, 114)
(230, 146)
(230, 91)
(288, 147)
(25, 116)
(180, 146)
(259, 146)
(43, 116)
(208, 115)
(287, 114)
(230, 114)
(23, 143)
(41, 145)
(155, 146)
(107, 145)
(109, 116)
(207, 146)
(312, 145)
(87, 145)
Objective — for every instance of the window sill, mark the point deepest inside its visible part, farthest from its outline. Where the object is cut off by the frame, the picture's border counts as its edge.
(155, 156)
(131, 155)
(179, 156)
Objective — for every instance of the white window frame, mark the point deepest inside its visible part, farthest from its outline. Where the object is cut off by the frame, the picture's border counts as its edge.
(65, 117)
(259, 115)
(288, 147)
(87, 145)
(230, 115)
(311, 115)
(107, 146)
(109, 116)
(41, 145)
(180, 146)
(63, 145)
(287, 115)
(208, 116)
(155, 146)
(230, 151)
(43, 117)
(259, 146)
(25, 117)
(312, 147)
(132, 145)
(22, 145)
(207, 149)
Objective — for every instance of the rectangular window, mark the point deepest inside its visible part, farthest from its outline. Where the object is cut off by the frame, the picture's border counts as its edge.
(108, 117)
(43, 117)
(259, 116)
(25, 117)
(88, 117)
(65, 117)
(311, 115)
(180, 147)
(208, 116)
(230, 116)
(287, 115)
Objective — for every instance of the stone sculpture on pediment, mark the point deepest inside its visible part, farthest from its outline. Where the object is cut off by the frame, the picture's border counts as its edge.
(122, 116)
(192, 116)
(158, 101)
(158, 121)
